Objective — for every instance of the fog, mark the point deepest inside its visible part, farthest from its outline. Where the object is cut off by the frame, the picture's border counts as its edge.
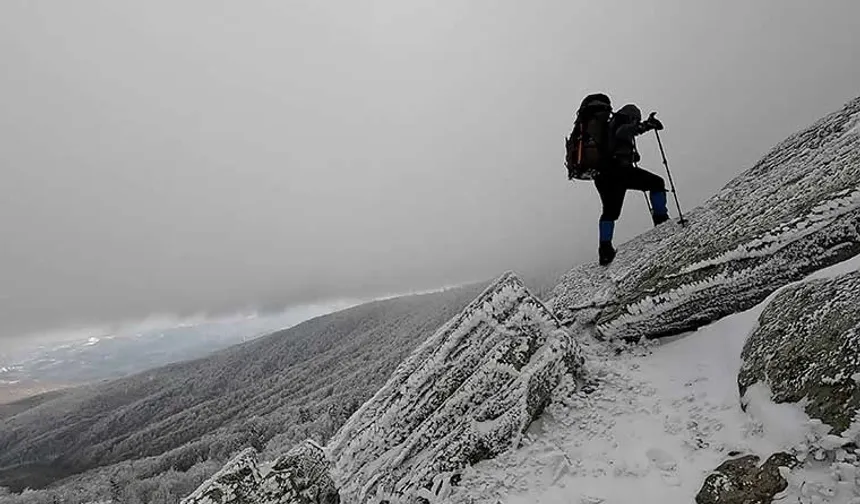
(208, 157)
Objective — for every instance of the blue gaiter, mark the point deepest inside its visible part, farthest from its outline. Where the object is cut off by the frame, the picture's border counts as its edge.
(658, 202)
(607, 229)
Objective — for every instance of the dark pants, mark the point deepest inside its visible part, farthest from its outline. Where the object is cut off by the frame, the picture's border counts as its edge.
(613, 185)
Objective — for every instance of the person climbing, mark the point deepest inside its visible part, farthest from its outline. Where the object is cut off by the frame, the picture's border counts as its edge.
(603, 149)
(621, 172)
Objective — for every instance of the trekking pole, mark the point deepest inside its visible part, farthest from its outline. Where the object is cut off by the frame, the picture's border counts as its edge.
(669, 173)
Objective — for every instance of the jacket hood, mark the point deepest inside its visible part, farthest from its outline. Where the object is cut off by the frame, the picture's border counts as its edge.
(631, 111)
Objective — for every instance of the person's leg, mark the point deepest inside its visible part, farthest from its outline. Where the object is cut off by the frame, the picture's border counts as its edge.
(643, 180)
(660, 214)
(611, 199)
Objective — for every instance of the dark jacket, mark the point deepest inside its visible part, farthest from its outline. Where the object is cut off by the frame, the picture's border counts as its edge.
(622, 140)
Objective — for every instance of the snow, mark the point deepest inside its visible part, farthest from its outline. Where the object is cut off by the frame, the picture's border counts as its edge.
(466, 393)
(786, 424)
(661, 418)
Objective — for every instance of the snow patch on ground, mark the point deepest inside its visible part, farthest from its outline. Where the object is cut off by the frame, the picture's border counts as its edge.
(787, 425)
(654, 420)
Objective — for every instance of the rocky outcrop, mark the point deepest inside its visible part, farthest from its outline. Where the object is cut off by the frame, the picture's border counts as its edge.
(797, 210)
(466, 394)
(742, 481)
(235, 483)
(807, 348)
(299, 477)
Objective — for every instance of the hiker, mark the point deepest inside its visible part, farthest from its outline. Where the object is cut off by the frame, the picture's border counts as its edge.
(620, 173)
(603, 149)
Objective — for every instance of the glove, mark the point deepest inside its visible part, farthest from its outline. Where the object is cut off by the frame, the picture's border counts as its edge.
(652, 124)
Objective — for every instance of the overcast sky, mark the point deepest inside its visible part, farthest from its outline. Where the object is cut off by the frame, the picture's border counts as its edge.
(185, 156)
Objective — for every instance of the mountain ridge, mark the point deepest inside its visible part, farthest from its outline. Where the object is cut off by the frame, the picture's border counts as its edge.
(275, 390)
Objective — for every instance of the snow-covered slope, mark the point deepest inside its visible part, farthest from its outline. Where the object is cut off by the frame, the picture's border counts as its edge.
(797, 210)
(654, 419)
(271, 393)
(651, 422)
(466, 394)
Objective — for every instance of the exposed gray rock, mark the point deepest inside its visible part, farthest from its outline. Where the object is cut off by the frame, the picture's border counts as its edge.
(807, 346)
(235, 483)
(797, 210)
(466, 394)
(742, 481)
(299, 477)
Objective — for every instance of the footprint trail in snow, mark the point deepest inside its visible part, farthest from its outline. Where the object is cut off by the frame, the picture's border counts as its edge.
(650, 423)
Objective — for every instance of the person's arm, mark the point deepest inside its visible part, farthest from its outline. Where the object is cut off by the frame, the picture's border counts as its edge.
(627, 132)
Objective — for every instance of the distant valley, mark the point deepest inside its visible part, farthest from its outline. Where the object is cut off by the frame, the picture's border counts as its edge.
(101, 354)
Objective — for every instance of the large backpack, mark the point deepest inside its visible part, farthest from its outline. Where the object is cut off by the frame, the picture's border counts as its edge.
(587, 147)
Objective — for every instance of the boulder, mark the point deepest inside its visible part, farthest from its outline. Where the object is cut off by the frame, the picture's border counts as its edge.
(795, 211)
(466, 394)
(743, 481)
(807, 348)
(299, 477)
(235, 483)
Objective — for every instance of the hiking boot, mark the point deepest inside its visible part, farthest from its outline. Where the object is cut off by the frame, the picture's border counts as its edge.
(605, 253)
(659, 218)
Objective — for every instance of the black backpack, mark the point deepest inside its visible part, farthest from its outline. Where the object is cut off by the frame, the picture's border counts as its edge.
(587, 147)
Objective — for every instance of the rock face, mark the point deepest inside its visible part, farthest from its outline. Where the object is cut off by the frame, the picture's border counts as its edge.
(464, 395)
(235, 483)
(742, 481)
(797, 210)
(807, 346)
(299, 477)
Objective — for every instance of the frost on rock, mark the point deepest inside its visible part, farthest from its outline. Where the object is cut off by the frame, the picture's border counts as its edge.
(235, 483)
(466, 394)
(299, 477)
(796, 211)
(807, 348)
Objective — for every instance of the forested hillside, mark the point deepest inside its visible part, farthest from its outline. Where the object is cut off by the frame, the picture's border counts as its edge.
(138, 436)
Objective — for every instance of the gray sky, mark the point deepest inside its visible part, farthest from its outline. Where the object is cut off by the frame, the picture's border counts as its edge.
(165, 156)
